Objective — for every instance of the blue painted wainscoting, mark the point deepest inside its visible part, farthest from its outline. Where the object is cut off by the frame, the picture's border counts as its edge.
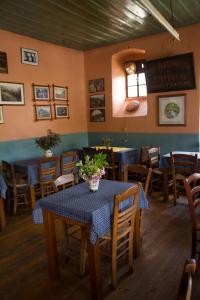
(167, 141)
(24, 149)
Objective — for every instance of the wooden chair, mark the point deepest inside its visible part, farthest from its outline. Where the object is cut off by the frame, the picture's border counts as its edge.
(153, 161)
(143, 160)
(48, 170)
(17, 186)
(72, 231)
(142, 174)
(122, 233)
(113, 167)
(138, 173)
(182, 165)
(192, 188)
(185, 288)
(89, 151)
(68, 167)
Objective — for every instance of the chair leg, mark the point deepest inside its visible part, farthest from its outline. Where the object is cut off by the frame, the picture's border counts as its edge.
(114, 267)
(14, 205)
(174, 192)
(130, 254)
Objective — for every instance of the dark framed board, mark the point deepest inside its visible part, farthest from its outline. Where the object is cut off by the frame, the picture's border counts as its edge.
(173, 73)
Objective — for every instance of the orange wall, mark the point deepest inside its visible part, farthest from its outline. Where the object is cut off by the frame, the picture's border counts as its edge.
(57, 65)
(98, 65)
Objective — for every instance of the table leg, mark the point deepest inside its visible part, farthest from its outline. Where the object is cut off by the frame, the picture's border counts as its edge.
(95, 272)
(32, 195)
(165, 183)
(50, 234)
(2, 215)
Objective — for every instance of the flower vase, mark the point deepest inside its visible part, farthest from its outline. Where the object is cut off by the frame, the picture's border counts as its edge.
(48, 153)
(94, 184)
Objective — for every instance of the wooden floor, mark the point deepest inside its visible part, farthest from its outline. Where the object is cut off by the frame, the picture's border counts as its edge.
(166, 245)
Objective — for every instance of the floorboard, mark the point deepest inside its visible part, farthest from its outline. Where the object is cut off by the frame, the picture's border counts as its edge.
(156, 276)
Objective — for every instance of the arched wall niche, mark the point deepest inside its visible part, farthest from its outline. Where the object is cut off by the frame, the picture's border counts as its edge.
(119, 81)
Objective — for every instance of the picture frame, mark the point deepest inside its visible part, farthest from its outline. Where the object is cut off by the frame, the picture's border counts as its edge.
(60, 92)
(97, 115)
(3, 62)
(172, 110)
(29, 57)
(11, 93)
(43, 112)
(61, 111)
(1, 115)
(96, 85)
(97, 101)
(41, 92)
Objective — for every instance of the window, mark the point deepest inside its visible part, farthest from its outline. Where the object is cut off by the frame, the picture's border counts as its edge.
(136, 81)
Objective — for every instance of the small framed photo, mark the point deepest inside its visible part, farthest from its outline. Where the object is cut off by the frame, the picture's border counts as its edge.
(29, 56)
(172, 110)
(61, 111)
(96, 85)
(1, 115)
(11, 93)
(97, 101)
(3, 62)
(41, 92)
(60, 93)
(43, 112)
(97, 115)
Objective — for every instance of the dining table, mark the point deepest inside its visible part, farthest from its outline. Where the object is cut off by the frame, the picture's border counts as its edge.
(92, 211)
(165, 166)
(30, 167)
(3, 189)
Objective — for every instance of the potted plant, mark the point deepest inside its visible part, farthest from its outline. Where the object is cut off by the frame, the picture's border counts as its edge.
(93, 169)
(48, 142)
(106, 141)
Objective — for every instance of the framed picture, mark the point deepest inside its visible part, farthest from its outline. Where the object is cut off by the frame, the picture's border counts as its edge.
(60, 93)
(29, 56)
(172, 110)
(41, 92)
(61, 111)
(3, 63)
(1, 115)
(96, 85)
(97, 101)
(97, 115)
(43, 112)
(11, 93)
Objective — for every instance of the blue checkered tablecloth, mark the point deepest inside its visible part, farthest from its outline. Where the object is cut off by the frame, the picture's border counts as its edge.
(81, 204)
(165, 159)
(31, 168)
(3, 187)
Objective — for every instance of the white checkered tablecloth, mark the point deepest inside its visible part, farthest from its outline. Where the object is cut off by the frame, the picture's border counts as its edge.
(81, 204)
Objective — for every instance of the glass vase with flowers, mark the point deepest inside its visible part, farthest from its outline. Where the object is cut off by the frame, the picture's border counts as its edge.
(48, 142)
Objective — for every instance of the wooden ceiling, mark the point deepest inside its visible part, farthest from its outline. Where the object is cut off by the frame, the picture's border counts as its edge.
(88, 24)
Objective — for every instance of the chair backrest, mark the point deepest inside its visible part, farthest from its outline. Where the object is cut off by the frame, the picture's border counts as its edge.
(139, 173)
(125, 217)
(153, 155)
(185, 164)
(143, 160)
(185, 288)
(192, 188)
(48, 170)
(68, 162)
(89, 151)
